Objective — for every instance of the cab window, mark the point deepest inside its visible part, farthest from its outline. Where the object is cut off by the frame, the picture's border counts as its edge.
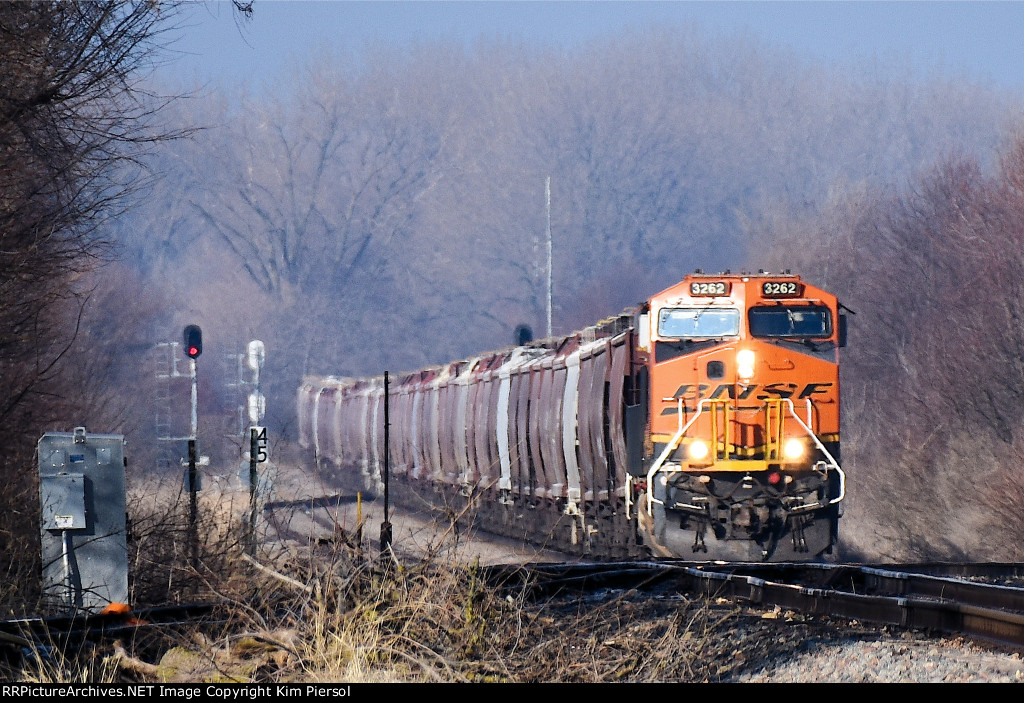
(802, 321)
(691, 323)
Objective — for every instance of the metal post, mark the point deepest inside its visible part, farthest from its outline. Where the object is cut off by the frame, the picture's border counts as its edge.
(547, 201)
(195, 400)
(253, 459)
(193, 503)
(255, 355)
(193, 508)
(385, 527)
(359, 523)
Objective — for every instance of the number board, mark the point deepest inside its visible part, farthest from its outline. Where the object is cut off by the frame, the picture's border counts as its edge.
(711, 288)
(258, 443)
(782, 289)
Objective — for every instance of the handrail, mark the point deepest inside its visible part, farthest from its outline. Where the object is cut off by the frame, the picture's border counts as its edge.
(673, 444)
(817, 442)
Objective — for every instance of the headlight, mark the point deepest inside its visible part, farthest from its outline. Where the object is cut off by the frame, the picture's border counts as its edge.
(698, 450)
(745, 363)
(793, 449)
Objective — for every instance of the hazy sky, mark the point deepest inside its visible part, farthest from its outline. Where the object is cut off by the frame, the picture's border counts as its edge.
(982, 40)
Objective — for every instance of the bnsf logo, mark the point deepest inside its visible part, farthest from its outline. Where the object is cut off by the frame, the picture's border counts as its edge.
(756, 391)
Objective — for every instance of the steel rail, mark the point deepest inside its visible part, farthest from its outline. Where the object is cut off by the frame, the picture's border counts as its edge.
(882, 596)
(41, 632)
(900, 581)
(936, 614)
(967, 592)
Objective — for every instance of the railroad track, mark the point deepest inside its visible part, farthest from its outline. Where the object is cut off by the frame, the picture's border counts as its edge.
(937, 598)
(924, 597)
(60, 631)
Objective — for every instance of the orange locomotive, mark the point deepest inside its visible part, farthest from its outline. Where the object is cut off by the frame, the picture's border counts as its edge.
(742, 458)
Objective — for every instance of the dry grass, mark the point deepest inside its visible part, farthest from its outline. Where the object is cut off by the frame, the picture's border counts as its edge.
(159, 543)
(52, 663)
(430, 621)
(335, 612)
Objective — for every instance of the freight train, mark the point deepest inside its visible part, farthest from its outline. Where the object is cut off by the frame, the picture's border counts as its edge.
(702, 424)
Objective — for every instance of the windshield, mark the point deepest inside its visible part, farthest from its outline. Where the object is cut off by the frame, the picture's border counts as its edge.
(790, 321)
(698, 322)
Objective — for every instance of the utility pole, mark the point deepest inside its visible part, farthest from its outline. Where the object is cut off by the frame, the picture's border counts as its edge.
(547, 201)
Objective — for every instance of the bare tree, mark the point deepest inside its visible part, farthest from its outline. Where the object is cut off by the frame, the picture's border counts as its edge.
(314, 189)
(72, 117)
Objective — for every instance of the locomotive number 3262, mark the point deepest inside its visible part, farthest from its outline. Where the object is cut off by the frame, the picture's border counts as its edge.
(779, 289)
(709, 288)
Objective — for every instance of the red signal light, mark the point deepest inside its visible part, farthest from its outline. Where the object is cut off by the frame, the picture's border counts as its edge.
(193, 341)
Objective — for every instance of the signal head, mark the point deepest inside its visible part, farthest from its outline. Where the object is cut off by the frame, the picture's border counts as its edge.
(193, 341)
